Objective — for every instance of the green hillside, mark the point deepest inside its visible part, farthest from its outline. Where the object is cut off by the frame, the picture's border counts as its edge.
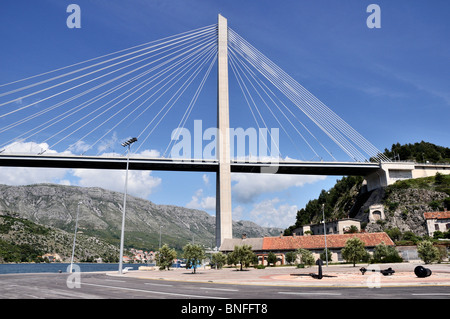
(24, 241)
(419, 152)
(346, 197)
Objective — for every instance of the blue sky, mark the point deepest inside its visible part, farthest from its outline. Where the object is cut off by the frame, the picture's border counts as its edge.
(390, 84)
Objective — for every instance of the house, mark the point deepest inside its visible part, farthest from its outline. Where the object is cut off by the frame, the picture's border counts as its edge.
(52, 257)
(437, 221)
(280, 245)
(126, 259)
(340, 226)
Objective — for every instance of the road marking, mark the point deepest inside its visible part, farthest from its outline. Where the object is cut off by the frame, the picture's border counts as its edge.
(309, 293)
(220, 289)
(154, 292)
(431, 294)
(152, 284)
(113, 280)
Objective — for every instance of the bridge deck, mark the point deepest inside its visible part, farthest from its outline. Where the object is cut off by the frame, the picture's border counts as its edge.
(192, 165)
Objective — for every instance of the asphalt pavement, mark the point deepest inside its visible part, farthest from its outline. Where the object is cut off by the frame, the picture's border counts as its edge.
(341, 282)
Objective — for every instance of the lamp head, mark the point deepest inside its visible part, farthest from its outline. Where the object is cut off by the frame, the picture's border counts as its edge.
(129, 142)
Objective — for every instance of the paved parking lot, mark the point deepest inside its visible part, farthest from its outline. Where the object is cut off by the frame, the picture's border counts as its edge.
(333, 276)
(261, 286)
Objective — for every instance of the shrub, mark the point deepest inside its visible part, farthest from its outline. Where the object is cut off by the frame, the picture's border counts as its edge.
(386, 254)
(324, 257)
(306, 257)
(291, 257)
(435, 205)
(427, 252)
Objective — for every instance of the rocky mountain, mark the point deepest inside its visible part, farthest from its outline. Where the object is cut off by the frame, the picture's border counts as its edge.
(24, 241)
(404, 204)
(100, 215)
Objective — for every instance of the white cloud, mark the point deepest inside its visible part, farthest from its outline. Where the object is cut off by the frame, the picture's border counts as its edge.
(140, 183)
(268, 214)
(79, 147)
(146, 153)
(107, 143)
(22, 147)
(200, 202)
(249, 186)
(25, 175)
(205, 179)
(238, 212)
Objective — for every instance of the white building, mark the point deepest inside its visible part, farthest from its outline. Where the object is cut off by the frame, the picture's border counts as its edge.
(341, 226)
(437, 221)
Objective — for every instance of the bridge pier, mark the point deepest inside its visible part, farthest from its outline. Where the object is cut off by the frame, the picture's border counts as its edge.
(223, 178)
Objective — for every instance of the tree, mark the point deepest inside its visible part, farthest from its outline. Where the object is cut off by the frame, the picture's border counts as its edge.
(352, 230)
(427, 252)
(306, 257)
(165, 257)
(194, 255)
(354, 250)
(271, 259)
(218, 259)
(242, 255)
(291, 257)
(439, 178)
(394, 233)
(324, 257)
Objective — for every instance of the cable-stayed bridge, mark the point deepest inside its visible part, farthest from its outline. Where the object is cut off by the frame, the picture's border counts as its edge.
(189, 165)
(75, 116)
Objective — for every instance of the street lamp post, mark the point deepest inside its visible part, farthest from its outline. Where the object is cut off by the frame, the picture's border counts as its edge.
(159, 255)
(160, 226)
(325, 233)
(125, 144)
(74, 237)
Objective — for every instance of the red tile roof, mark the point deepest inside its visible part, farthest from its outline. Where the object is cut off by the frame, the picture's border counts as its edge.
(437, 215)
(318, 241)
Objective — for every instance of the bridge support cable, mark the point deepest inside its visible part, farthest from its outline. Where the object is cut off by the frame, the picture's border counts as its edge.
(272, 97)
(151, 43)
(177, 95)
(191, 105)
(154, 48)
(248, 96)
(126, 95)
(174, 77)
(152, 101)
(308, 109)
(71, 88)
(173, 54)
(350, 141)
(65, 101)
(253, 79)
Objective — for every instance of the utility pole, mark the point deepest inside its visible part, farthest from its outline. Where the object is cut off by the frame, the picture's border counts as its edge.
(325, 232)
(122, 233)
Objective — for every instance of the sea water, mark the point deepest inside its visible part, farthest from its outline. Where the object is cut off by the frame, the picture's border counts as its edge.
(61, 267)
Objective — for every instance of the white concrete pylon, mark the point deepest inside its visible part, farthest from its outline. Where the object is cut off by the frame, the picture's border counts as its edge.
(223, 179)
